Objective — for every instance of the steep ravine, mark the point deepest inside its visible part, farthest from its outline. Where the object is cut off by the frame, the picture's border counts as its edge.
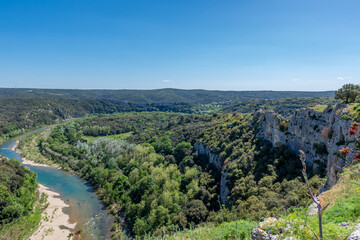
(215, 159)
(319, 134)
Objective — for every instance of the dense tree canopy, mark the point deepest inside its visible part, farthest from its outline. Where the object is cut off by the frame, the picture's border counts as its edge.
(157, 179)
(348, 93)
(17, 190)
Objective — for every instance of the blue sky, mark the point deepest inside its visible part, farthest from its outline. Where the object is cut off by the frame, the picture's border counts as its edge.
(188, 44)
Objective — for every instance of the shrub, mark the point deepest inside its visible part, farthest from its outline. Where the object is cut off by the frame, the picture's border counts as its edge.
(346, 117)
(326, 133)
(196, 211)
(284, 125)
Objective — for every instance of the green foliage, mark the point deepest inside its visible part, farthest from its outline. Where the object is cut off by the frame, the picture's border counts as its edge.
(345, 204)
(344, 207)
(283, 106)
(19, 214)
(344, 211)
(157, 96)
(196, 211)
(23, 227)
(163, 145)
(346, 117)
(299, 225)
(29, 108)
(163, 183)
(227, 230)
(319, 107)
(348, 93)
(132, 179)
(17, 190)
(284, 124)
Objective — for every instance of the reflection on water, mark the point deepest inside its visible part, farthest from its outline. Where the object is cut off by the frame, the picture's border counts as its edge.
(85, 208)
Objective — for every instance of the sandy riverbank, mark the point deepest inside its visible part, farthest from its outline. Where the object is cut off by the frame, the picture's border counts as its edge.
(26, 161)
(55, 223)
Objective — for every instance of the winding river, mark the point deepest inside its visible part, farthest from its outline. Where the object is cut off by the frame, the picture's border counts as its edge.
(85, 208)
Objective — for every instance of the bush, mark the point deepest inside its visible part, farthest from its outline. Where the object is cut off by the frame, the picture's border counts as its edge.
(195, 211)
(284, 125)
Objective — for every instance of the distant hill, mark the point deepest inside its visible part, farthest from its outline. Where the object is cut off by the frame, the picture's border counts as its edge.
(25, 108)
(159, 96)
(283, 106)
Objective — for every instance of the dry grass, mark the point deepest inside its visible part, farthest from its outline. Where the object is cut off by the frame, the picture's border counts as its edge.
(326, 133)
(344, 186)
(319, 107)
(332, 195)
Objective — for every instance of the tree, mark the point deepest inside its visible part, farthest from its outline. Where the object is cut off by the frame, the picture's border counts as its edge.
(348, 93)
(182, 150)
(163, 145)
(195, 211)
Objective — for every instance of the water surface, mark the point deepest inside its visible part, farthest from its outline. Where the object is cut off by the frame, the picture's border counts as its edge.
(85, 208)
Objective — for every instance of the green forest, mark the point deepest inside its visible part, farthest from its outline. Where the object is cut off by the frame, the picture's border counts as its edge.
(151, 165)
(20, 211)
(144, 167)
(22, 109)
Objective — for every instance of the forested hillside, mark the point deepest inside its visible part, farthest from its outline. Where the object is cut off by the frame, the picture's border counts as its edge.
(17, 113)
(159, 96)
(145, 163)
(158, 181)
(283, 106)
(27, 108)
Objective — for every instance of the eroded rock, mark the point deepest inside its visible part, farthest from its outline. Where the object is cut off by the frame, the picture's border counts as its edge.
(319, 134)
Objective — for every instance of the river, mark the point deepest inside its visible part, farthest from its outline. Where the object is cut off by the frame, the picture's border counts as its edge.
(85, 208)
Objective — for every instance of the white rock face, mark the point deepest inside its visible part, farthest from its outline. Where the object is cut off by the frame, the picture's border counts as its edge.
(355, 235)
(215, 159)
(319, 135)
(313, 132)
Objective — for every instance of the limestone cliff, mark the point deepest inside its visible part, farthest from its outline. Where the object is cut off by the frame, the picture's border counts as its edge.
(319, 134)
(215, 159)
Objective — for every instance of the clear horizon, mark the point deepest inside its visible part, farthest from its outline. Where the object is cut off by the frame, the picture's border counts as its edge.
(189, 89)
(230, 45)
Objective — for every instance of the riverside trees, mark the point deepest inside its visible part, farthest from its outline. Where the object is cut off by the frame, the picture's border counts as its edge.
(17, 190)
(159, 182)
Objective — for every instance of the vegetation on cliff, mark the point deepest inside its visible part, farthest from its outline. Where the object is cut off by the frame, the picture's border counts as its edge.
(339, 219)
(147, 166)
(161, 183)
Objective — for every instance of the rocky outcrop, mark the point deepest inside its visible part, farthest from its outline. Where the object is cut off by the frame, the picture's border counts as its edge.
(319, 134)
(217, 162)
(355, 235)
(260, 233)
(214, 158)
